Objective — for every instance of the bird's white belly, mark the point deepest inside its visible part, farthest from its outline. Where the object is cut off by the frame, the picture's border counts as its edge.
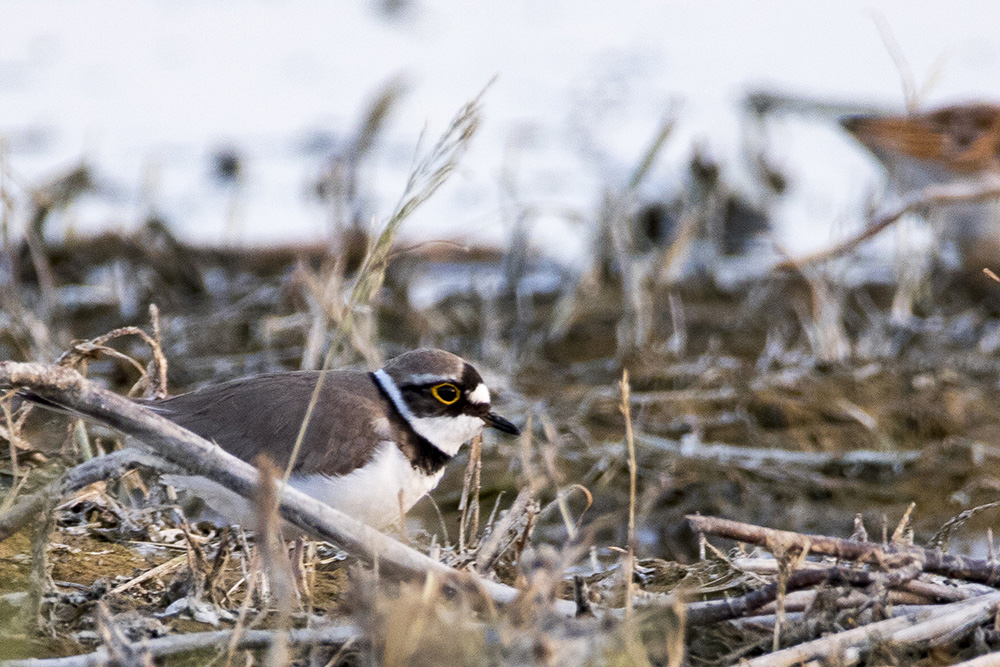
(375, 494)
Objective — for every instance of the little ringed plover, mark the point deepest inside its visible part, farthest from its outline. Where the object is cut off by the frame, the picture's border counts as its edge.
(375, 443)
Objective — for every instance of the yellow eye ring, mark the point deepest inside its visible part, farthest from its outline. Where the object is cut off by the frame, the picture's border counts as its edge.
(446, 392)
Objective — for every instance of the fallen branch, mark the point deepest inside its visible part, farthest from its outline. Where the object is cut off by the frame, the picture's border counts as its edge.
(715, 611)
(933, 195)
(756, 458)
(932, 627)
(198, 641)
(936, 561)
(923, 586)
(177, 445)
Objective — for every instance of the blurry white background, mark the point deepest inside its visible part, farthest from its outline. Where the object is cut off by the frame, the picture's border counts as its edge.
(147, 92)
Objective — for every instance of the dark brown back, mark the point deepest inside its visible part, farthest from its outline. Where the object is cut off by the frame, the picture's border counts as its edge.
(246, 416)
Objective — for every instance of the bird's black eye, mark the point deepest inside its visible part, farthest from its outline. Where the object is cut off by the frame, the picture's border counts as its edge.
(446, 392)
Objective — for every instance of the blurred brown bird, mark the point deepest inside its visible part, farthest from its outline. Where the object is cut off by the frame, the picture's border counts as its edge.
(952, 143)
(960, 140)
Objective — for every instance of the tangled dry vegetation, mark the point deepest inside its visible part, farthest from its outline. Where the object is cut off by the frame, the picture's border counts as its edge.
(670, 514)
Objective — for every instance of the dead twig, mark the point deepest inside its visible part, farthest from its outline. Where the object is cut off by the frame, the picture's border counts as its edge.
(988, 660)
(982, 189)
(706, 613)
(275, 559)
(949, 565)
(925, 628)
(470, 496)
(757, 458)
(630, 440)
(507, 530)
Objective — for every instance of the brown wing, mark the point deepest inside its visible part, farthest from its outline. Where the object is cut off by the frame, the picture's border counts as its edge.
(963, 139)
(248, 415)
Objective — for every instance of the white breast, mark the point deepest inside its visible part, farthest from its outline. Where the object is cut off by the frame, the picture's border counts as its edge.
(375, 493)
(370, 494)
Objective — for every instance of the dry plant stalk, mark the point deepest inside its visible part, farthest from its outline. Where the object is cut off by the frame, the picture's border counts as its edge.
(940, 538)
(274, 557)
(425, 178)
(40, 579)
(549, 451)
(469, 502)
(899, 534)
(521, 512)
(630, 440)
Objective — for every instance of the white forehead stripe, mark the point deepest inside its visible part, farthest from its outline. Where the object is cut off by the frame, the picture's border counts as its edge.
(430, 378)
(479, 395)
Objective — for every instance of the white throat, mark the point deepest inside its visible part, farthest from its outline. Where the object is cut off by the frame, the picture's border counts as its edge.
(447, 433)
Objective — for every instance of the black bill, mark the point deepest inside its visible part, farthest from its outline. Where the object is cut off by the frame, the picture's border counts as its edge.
(501, 424)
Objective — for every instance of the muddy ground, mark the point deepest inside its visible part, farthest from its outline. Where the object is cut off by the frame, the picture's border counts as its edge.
(747, 403)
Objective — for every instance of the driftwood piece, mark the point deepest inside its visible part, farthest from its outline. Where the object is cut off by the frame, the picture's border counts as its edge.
(936, 561)
(197, 641)
(181, 447)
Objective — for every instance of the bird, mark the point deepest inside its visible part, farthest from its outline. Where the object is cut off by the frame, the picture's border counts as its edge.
(932, 147)
(375, 443)
(944, 145)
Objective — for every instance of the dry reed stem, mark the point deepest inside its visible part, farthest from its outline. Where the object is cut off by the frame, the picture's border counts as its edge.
(252, 577)
(755, 458)
(632, 470)
(12, 433)
(630, 441)
(469, 501)
(425, 178)
(275, 559)
(40, 579)
(899, 533)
